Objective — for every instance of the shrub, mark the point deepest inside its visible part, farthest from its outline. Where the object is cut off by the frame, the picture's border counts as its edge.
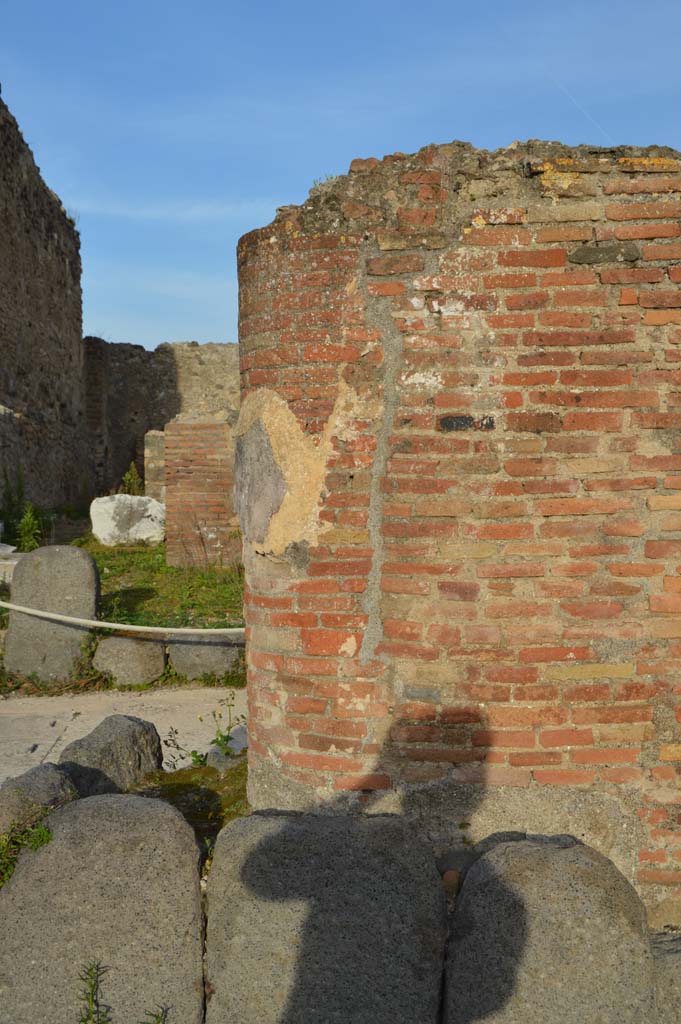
(132, 482)
(29, 532)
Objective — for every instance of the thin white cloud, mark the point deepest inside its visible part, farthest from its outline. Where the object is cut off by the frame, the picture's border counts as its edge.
(183, 211)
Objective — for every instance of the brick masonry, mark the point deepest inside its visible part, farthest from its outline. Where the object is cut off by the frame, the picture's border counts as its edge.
(468, 369)
(201, 528)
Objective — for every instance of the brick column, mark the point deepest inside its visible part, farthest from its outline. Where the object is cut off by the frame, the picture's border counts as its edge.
(459, 467)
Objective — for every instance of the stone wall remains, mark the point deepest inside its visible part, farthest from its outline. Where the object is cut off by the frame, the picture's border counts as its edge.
(132, 390)
(459, 465)
(42, 415)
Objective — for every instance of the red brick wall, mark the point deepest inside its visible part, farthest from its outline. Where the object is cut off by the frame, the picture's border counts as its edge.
(494, 596)
(200, 524)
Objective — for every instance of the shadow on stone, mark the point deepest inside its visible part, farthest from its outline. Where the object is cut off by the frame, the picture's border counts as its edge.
(347, 912)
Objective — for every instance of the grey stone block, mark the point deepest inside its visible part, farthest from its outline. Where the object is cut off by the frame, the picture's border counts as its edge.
(130, 662)
(667, 959)
(114, 756)
(192, 658)
(547, 931)
(58, 579)
(605, 252)
(117, 883)
(323, 919)
(25, 796)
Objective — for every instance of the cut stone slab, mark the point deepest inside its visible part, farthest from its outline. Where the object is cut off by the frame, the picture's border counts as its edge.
(60, 579)
(27, 795)
(194, 659)
(667, 959)
(547, 931)
(130, 662)
(118, 883)
(127, 519)
(114, 756)
(320, 918)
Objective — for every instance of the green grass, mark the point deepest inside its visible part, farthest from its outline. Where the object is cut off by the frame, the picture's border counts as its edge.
(207, 799)
(31, 836)
(139, 588)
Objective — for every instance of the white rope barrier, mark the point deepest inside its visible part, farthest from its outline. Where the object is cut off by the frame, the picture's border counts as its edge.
(123, 627)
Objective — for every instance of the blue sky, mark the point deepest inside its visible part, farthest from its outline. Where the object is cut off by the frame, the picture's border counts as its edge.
(170, 129)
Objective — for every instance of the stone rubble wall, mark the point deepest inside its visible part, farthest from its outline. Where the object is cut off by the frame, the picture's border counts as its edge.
(131, 391)
(74, 412)
(460, 434)
(42, 404)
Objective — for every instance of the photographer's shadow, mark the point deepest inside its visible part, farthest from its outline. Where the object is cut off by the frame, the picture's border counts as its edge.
(374, 940)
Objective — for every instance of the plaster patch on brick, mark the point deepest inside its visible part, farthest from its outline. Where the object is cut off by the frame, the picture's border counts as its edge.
(302, 459)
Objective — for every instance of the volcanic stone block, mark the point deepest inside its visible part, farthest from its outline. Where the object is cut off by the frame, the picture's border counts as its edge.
(547, 930)
(205, 657)
(130, 662)
(331, 919)
(23, 797)
(114, 756)
(59, 579)
(119, 884)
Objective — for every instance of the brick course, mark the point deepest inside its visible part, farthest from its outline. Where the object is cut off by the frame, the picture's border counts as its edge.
(493, 592)
(200, 524)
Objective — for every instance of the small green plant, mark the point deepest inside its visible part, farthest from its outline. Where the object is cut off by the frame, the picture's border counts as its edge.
(221, 739)
(24, 835)
(223, 731)
(159, 1016)
(131, 482)
(172, 742)
(93, 1009)
(29, 532)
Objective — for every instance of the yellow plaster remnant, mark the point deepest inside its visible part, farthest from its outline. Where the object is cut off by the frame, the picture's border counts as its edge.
(603, 671)
(649, 163)
(465, 550)
(659, 502)
(557, 184)
(670, 752)
(665, 629)
(302, 459)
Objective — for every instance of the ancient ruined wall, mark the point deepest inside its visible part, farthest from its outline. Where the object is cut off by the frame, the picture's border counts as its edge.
(41, 356)
(132, 390)
(201, 528)
(459, 468)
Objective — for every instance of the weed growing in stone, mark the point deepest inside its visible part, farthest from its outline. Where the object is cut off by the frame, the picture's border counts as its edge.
(26, 835)
(179, 752)
(221, 739)
(93, 1008)
(224, 730)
